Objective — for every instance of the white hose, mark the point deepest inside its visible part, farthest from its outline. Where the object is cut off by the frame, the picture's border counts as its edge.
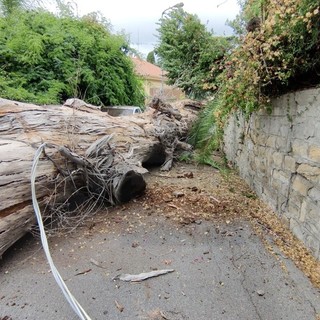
(68, 295)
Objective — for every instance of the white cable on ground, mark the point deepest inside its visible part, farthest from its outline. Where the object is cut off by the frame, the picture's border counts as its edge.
(68, 295)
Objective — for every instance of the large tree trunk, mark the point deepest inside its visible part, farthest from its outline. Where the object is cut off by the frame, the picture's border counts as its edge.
(94, 154)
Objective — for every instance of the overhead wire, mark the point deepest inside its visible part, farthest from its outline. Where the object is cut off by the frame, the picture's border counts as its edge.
(68, 295)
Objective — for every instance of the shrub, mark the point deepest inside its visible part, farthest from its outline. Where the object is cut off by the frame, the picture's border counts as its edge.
(47, 59)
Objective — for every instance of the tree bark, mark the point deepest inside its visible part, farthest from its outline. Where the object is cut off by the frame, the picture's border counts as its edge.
(105, 156)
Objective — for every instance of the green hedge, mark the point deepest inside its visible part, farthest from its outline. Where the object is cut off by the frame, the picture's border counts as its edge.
(46, 59)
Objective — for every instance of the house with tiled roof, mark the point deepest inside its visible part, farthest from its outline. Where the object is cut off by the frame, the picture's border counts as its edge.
(154, 81)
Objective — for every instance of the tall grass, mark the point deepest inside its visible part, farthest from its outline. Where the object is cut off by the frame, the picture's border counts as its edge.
(206, 134)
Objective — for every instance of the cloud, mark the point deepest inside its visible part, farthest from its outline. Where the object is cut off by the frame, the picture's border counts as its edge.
(139, 18)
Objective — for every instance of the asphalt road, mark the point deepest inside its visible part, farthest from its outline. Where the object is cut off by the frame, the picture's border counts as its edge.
(221, 272)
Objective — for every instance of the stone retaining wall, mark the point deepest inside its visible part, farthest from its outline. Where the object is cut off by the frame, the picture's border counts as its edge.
(278, 155)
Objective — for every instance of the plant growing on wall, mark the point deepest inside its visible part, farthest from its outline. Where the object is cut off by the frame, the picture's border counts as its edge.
(282, 47)
(278, 51)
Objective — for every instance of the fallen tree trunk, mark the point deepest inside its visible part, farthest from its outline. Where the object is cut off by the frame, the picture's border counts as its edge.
(88, 155)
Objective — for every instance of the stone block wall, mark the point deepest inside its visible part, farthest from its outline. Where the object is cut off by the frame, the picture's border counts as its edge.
(278, 154)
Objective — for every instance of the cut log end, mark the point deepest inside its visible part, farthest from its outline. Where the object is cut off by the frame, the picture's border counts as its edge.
(130, 186)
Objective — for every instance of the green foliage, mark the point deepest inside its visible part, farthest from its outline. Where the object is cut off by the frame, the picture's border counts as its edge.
(46, 59)
(206, 133)
(186, 157)
(9, 6)
(239, 23)
(276, 55)
(189, 53)
(151, 57)
(272, 57)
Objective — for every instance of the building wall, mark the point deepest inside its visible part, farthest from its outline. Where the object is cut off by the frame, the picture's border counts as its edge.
(154, 79)
(278, 154)
(154, 87)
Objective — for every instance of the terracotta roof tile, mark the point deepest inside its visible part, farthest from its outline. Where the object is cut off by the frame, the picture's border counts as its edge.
(146, 69)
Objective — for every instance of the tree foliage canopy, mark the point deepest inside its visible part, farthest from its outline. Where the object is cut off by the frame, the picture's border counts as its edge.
(46, 59)
(189, 53)
(151, 57)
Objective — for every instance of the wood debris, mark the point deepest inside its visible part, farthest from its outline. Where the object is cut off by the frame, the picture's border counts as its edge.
(142, 276)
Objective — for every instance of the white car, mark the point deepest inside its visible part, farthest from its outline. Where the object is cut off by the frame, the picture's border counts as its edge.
(118, 111)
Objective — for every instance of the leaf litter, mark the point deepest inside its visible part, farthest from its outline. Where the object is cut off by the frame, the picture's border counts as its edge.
(208, 194)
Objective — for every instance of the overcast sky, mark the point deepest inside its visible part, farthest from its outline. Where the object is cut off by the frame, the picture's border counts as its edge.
(139, 17)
